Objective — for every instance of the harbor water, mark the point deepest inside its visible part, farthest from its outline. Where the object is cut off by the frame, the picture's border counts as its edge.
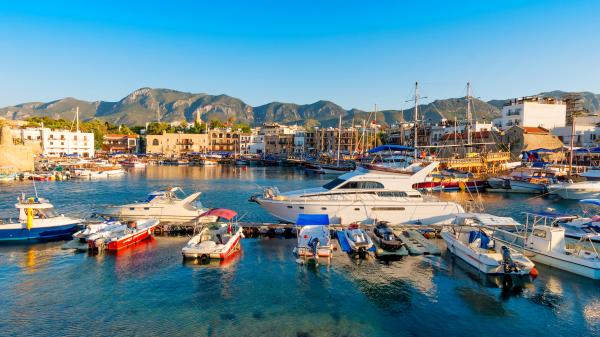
(147, 290)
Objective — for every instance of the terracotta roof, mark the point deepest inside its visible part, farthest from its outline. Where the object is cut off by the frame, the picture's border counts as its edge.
(536, 130)
(120, 136)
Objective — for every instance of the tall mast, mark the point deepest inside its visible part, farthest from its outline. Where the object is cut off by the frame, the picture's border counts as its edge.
(416, 116)
(469, 116)
(375, 131)
(77, 119)
(339, 140)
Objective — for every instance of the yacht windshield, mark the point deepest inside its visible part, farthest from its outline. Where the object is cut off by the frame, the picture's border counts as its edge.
(334, 183)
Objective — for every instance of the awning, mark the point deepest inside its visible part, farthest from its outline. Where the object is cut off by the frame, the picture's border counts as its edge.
(312, 219)
(391, 147)
(221, 213)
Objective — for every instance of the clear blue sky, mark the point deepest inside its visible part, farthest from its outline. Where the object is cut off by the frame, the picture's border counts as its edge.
(355, 53)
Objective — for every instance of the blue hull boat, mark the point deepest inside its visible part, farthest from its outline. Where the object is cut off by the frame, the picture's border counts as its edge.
(40, 234)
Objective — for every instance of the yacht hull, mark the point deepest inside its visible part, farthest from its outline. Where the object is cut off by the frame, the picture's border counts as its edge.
(345, 212)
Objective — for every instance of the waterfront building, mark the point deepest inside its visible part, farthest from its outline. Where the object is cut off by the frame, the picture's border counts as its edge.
(533, 111)
(176, 144)
(57, 143)
(116, 143)
(327, 139)
(587, 132)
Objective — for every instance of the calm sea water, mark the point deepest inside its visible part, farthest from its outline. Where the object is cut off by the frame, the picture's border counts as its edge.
(147, 290)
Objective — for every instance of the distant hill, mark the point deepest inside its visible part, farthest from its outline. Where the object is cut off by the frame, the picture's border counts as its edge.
(141, 105)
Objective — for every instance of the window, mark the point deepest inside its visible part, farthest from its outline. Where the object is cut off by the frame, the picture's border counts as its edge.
(540, 233)
(289, 207)
(155, 142)
(366, 185)
(333, 183)
(323, 208)
(394, 194)
(146, 208)
(132, 208)
(301, 207)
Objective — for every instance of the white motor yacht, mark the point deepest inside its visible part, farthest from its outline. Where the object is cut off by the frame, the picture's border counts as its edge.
(362, 196)
(164, 205)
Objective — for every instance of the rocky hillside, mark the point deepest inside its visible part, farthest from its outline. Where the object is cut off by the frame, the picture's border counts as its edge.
(141, 106)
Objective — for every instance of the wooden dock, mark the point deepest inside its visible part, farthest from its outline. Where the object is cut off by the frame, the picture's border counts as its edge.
(252, 229)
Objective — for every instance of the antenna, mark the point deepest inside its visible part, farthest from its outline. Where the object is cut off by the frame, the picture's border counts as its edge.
(35, 188)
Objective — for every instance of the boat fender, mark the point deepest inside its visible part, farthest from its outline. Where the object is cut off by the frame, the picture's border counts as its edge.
(534, 272)
(29, 218)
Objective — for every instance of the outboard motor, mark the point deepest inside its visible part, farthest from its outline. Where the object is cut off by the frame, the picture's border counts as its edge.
(509, 265)
(313, 243)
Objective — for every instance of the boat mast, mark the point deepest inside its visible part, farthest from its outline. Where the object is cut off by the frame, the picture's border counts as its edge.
(469, 116)
(339, 140)
(416, 116)
(572, 144)
(77, 119)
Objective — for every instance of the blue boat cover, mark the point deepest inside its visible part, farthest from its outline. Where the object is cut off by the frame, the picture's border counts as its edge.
(312, 219)
(590, 201)
(590, 150)
(344, 245)
(474, 235)
(391, 147)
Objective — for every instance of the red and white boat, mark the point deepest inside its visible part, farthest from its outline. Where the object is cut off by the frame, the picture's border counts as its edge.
(216, 240)
(133, 232)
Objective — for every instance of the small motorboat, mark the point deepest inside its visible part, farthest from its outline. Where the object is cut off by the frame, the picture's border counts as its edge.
(386, 238)
(576, 190)
(473, 245)
(544, 242)
(314, 239)
(358, 239)
(37, 221)
(122, 236)
(81, 237)
(313, 169)
(216, 240)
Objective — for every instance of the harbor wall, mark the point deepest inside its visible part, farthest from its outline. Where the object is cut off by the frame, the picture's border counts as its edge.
(14, 158)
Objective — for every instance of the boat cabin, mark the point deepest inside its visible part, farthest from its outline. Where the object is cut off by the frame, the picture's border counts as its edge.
(547, 238)
(41, 208)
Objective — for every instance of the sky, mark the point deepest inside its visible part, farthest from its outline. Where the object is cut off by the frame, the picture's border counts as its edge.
(354, 53)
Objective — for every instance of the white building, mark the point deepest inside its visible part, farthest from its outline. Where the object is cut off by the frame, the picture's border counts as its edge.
(587, 132)
(545, 112)
(300, 141)
(56, 143)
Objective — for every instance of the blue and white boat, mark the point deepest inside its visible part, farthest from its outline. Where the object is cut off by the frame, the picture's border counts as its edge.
(37, 221)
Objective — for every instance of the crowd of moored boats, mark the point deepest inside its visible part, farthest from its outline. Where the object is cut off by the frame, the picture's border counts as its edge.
(375, 211)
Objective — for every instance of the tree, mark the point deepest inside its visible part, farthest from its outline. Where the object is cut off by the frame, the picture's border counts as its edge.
(215, 123)
(310, 124)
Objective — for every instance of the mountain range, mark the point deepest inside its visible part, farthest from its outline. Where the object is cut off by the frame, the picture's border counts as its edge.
(141, 106)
